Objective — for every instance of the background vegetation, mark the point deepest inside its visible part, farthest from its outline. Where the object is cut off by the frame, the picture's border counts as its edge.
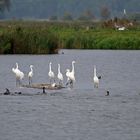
(20, 37)
(26, 38)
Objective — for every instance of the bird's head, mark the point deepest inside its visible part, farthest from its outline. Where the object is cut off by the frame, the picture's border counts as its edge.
(73, 62)
(16, 65)
(31, 66)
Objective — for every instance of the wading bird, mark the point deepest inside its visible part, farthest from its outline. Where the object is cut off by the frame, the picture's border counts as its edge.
(19, 74)
(68, 76)
(30, 74)
(51, 74)
(95, 78)
(71, 75)
(60, 76)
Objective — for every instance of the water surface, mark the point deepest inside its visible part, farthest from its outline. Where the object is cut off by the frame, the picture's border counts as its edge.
(73, 114)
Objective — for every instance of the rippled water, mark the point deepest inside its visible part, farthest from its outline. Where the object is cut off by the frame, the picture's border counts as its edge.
(81, 113)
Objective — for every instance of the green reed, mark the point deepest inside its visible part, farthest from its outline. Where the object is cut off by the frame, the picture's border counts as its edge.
(20, 37)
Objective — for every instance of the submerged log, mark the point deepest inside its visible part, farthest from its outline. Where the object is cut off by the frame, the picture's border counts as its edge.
(44, 86)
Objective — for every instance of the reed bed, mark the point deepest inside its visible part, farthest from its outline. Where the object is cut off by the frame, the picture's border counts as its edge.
(39, 37)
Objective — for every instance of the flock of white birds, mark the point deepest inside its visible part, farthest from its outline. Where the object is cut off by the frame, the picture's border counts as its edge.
(69, 74)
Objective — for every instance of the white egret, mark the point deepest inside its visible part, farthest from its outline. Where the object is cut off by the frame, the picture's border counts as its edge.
(19, 74)
(69, 79)
(71, 75)
(51, 73)
(95, 79)
(121, 28)
(67, 74)
(60, 76)
(30, 74)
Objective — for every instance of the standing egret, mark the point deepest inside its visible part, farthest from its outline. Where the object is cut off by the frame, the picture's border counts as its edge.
(95, 78)
(51, 73)
(60, 76)
(19, 74)
(68, 77)
(30, 74)
(71, 75)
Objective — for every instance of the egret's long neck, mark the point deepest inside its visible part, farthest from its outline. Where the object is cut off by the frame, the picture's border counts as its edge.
(73, 67)
(50, 68)
(31, 69)
(94, 71)
(16, 65)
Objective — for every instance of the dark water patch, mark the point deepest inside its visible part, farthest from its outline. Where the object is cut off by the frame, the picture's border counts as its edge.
(124, 101)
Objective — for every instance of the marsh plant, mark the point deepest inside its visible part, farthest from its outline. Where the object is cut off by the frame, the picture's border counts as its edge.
(20, 37)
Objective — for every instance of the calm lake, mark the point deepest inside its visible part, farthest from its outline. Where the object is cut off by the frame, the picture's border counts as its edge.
(81, 113)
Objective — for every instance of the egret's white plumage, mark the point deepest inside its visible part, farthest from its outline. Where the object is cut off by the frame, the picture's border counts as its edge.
(71, 75)
(53, 84)
(67, 74)
(19, 74)
(51, 73)
(30, 74)
(121, 28)
(73, 70)
(15, 70)
(59, 75)
(95, 79)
